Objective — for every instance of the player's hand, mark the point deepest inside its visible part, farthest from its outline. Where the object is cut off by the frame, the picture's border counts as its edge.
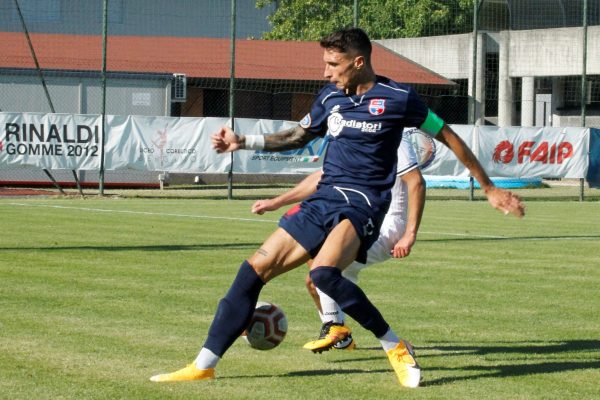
(261, 206)
(506, 202)
(403, 246)
(225, 140)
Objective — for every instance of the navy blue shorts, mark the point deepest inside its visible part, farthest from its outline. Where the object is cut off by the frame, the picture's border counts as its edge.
(310, 222)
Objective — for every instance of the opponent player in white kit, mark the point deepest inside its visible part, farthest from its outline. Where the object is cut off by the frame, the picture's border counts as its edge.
(397, 235)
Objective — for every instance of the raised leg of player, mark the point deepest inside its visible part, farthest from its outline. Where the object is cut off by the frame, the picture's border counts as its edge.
(280, 253)
(355, 303)
(338, 251)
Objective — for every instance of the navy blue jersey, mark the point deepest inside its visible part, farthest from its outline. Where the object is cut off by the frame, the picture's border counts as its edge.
(364, 132)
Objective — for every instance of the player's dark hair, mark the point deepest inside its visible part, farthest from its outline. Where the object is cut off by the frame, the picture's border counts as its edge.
(349, 40)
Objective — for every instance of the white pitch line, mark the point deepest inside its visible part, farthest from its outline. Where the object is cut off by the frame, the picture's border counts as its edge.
(143, 212)
(259, 220)
(466, 235)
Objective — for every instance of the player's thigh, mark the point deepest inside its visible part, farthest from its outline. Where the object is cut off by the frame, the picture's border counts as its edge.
(340, 248)
(278, 254)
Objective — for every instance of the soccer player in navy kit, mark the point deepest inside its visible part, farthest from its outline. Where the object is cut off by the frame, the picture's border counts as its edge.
(397, 234)
(365, 114)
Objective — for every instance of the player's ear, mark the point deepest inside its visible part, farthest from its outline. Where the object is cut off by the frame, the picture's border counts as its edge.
(359, 62)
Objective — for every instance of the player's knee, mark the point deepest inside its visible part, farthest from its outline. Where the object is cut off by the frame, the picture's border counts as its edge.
(325, 278)
(310, 286)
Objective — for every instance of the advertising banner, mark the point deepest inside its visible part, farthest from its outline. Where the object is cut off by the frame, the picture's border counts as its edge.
(67, 141)
(299, 161)
(162, 144)
(521, 152)
(52, 141)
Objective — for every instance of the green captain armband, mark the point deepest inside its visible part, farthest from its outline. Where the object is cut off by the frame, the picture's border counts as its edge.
(432, 125)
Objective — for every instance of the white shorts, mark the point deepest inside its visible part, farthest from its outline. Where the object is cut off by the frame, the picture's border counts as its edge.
(391, 231)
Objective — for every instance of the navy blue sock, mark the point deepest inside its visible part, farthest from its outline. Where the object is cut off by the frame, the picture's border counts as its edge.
(235, 310)
(350, 298)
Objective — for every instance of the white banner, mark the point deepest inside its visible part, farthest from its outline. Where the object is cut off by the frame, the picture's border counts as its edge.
(300, 161)
(534, 152)
(66, 141)
(52, 141)
(162, 144)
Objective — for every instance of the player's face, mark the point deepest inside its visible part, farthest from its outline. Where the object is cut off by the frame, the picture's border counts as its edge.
(341, 69)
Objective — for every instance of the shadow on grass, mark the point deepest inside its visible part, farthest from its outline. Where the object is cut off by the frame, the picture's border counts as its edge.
(166, 247)
(520, 348)
(312, 372)
(243, 246)
(509, 370)
(507, 367)
(504, 368)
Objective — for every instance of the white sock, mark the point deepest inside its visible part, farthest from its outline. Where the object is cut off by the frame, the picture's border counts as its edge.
(330, 309)
(323, 318)
(389, 341)
(206, 359)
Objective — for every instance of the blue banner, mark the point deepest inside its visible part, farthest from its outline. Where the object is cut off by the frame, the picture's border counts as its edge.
(593, 175)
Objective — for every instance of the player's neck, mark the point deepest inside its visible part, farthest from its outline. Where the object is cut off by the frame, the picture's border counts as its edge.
(365, 82)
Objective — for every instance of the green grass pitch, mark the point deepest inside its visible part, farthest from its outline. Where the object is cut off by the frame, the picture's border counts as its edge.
(97, 295)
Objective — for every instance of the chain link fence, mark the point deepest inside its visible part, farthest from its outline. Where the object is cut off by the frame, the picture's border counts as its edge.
(500, 62)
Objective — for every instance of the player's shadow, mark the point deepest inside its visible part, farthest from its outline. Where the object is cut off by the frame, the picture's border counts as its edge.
(158, 247)
(323, 372)
(312, 372)
(515, 359)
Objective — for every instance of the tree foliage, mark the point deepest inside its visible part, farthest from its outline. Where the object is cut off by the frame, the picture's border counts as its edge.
(381, 19)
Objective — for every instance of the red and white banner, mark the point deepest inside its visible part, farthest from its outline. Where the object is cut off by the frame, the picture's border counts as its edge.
(534, 152)
(67, 141)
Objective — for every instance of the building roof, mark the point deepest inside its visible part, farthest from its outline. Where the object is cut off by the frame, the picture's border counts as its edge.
(195, 57)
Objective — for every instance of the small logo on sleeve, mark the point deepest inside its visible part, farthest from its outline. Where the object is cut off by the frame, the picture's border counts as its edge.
(305, 122)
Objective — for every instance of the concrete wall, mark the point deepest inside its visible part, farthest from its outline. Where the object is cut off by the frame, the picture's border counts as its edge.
(542, 52)
(525, 54)
(449, 56)
(83, 95)
(553, 52)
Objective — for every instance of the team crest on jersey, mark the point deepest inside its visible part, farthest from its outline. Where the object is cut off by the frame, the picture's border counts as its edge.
(377, 106)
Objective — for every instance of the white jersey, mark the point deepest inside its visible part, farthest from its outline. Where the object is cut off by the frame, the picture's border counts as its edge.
(394, 223)
(407, 161)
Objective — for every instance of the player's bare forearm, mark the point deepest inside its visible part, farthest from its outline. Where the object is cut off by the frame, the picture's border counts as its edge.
(302, 190)
(500, 199)
(448, 137)
(416, 202)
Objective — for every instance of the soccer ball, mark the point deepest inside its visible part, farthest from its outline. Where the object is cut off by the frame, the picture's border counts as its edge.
(267, 327)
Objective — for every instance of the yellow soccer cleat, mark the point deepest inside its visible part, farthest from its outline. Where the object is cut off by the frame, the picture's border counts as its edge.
(189, 373)
(347, 344)
(331, 333)
(402, 358)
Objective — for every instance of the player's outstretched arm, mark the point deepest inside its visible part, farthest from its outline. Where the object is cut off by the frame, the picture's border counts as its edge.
(416, 203)
(225, 140)
(500, 199)
(302, 190)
